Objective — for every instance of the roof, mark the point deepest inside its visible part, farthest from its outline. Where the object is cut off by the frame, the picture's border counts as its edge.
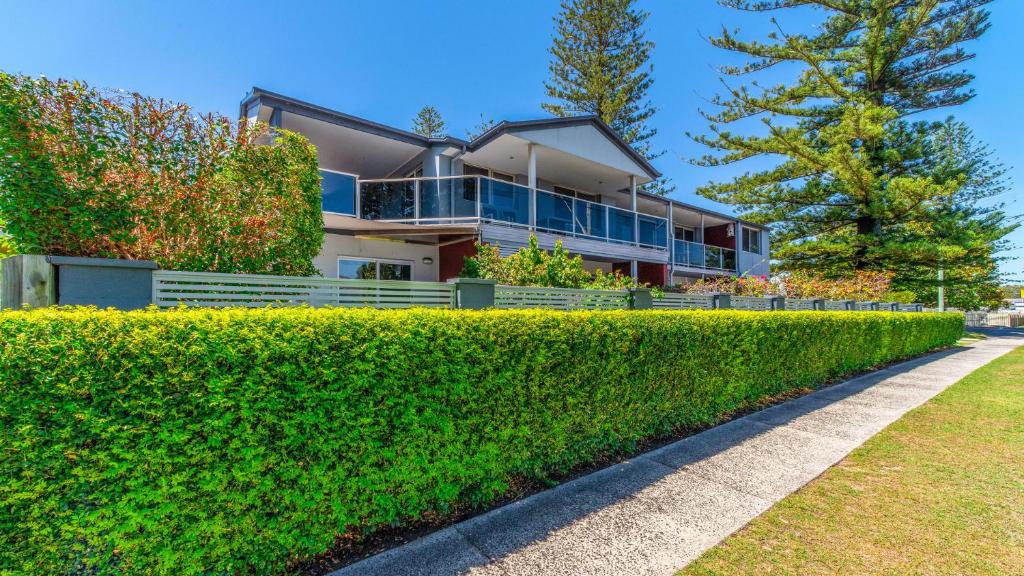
(289, 104)
(293, 105)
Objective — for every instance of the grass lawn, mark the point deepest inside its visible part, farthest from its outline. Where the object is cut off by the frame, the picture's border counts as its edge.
(941, 491)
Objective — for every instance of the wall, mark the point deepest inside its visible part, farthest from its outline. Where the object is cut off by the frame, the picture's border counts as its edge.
(652, 273)
(718, 236)
(450, 258)
(755, 264)
(336, 245)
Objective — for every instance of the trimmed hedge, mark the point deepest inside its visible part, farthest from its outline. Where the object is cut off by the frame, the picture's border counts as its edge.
(236, 441)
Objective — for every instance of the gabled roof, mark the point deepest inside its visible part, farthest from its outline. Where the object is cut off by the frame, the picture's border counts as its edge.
(287, 104)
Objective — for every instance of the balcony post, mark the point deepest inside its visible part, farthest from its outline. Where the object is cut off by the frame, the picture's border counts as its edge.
(531, 182)
(671, 235)
(632, 206)
(416, 200)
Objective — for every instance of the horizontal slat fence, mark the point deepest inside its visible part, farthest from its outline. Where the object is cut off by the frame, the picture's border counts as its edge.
(559, 298)
(751, 303)
(677, 301)
(836, 305)
(800, 303)
(256, 291)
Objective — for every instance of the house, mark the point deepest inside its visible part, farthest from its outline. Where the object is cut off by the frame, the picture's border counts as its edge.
(398, 205)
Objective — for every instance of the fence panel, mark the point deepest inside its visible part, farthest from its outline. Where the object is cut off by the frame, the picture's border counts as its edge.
(559, 298)
(835, 305)
(800, 303)
(207, 289)
(751, 303)
(677, 301)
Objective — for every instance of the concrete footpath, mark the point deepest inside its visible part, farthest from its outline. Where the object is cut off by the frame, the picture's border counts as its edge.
(659, 511)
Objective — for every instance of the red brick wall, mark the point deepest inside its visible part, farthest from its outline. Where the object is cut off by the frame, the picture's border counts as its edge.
(717, 236)
(649, 272)
(652, 273)
(450, 258)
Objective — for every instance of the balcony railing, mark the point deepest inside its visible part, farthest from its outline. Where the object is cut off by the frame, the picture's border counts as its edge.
(469, 199)
(706, 256)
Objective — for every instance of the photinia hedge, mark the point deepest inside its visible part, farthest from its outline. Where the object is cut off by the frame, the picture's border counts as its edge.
(238, 441)
(87, 172)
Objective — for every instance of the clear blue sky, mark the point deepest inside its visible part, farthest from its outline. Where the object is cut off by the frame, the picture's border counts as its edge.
(383, 60)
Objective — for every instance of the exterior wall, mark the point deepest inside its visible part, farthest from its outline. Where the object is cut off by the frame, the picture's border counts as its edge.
(450, 258)
(652, 273)
(718, 236)
(337, 245)
(755, 264)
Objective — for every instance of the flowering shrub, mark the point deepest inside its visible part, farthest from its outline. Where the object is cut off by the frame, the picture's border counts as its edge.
(740, 286)
(91, 173)
(865, 286)
(534, 266)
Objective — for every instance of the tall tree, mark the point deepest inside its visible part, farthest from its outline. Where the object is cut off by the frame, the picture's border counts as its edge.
(484, 125)
(600, 65)
(428, 123)
(849, 188)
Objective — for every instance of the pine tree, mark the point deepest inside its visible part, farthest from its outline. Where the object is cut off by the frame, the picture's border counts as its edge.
(484, 125)
(428, 123)
(854, 188)
(600, 65)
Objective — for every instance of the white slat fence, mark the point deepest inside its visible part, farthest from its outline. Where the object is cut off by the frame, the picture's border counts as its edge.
(559, 298)
(678, 301)
(256, 291)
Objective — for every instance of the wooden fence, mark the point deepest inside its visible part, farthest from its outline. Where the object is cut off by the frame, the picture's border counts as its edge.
(559, 298)
(256, 290)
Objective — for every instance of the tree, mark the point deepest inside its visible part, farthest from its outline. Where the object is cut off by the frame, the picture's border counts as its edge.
(484, 125)
(600, 65)
(117, 175)
(855, 187)
(428, 123)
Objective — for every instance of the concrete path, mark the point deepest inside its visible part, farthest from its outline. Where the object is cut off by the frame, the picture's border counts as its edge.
(659, 511)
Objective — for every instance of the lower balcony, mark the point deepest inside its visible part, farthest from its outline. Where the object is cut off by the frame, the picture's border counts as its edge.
(704, 256)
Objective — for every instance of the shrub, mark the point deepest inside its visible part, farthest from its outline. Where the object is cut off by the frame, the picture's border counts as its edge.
(111, 174)
(235, 441)
(534, 266)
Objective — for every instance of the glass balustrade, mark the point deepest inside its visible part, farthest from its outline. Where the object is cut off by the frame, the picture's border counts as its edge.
(458, 199)
(694, 255)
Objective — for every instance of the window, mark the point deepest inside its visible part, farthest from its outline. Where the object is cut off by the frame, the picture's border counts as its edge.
(338, 192)
(686, 233)
(470, 170)
(373, 269)
(751, 240)
(500, 176)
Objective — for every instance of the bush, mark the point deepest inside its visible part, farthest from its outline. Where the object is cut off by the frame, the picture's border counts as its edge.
(237, 441)
(117, 175)
(531, 265)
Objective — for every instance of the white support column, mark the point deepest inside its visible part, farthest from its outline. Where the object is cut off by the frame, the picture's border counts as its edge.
(671, 235)
(531, 181)
(633, 269)
(636, 217)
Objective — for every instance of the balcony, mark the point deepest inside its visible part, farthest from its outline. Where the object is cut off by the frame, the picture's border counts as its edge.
(705, 256)
(472, 199)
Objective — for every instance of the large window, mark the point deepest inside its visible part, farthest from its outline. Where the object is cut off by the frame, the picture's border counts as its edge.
(751, 240)
(338, 192)
(374, 269)
(686, 233)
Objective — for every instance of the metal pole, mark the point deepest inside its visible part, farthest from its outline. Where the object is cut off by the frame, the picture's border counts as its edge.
(942, 291)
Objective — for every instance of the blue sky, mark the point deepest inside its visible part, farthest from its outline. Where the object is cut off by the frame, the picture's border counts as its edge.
(383, 60)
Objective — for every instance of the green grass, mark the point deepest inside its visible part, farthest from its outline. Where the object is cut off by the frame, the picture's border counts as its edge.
(941, 491)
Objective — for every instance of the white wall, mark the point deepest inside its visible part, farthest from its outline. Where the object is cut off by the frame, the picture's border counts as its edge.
(756, 264)
(337, 245)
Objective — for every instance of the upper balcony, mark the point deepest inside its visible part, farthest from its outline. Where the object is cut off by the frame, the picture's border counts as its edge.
(475, 199)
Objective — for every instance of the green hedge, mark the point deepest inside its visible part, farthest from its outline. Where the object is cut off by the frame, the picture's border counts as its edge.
(235, 441)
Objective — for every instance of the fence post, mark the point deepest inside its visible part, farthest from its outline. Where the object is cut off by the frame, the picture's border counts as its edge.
(473, 293)
(641, 299)
(721, 300)
(28, 280)
(818, 304)
(849, 304)
(776, 302)
(873, 306)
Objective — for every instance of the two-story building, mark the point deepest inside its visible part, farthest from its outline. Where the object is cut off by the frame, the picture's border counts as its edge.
(398, 205)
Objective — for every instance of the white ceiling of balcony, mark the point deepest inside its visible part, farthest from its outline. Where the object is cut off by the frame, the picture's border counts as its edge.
(508, 153)
(353, 151)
